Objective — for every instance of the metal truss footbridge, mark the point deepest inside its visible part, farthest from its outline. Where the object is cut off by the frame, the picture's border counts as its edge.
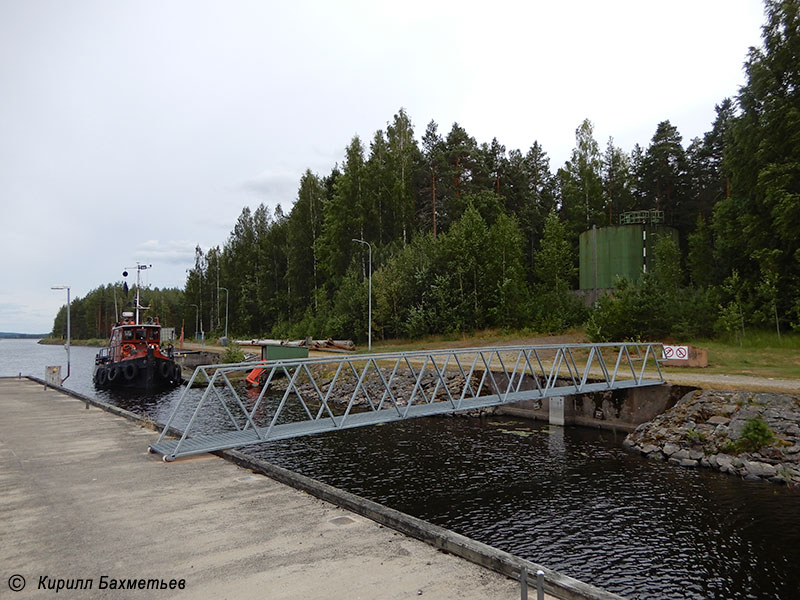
(298, 397)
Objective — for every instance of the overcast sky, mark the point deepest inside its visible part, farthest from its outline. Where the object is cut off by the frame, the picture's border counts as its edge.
(133, 131)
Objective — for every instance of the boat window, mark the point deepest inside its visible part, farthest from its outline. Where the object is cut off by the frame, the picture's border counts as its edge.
(155, 335)
(128, 334)
(141, 334)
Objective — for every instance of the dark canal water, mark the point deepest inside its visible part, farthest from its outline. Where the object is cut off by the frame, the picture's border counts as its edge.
(570, 499)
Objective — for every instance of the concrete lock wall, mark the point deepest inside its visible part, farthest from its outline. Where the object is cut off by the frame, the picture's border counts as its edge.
(620, 410)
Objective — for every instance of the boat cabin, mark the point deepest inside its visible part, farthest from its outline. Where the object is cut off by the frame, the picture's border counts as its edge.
(130, 339)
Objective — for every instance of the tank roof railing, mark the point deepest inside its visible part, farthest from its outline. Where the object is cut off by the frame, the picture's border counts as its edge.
(637, 217)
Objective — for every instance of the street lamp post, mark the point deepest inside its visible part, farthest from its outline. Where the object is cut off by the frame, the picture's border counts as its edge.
(196, 318)
(369, 326)
(226, 313)
(69, 327)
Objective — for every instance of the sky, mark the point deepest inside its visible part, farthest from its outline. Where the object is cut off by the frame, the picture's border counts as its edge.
(135, 131)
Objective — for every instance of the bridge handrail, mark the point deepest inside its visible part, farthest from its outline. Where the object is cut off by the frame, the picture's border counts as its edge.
(415, 354)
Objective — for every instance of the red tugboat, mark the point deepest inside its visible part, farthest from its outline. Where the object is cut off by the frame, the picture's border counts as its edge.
(134, 358)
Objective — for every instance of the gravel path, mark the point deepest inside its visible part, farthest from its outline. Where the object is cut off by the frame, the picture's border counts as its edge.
(735, 382)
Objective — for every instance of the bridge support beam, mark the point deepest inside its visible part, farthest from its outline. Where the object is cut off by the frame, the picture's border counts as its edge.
(556, 416)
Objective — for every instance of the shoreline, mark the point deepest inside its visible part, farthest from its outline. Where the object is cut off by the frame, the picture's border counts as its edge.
(755, 436)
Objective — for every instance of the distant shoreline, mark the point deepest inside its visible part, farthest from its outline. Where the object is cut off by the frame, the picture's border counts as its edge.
(5, 335)
(50, 341)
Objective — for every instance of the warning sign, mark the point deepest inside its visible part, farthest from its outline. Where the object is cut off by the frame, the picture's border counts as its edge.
(676, 353)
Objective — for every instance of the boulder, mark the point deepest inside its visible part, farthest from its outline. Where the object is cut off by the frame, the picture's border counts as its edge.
(723, 460)
(696, 454)
(759, 469)
(649, 449)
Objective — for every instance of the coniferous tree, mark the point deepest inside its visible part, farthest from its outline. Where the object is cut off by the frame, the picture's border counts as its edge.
(302, 230)
(617, 182)
(762, 156)
(663, 182)
(346, 216)
(434, 160)
(700, 258)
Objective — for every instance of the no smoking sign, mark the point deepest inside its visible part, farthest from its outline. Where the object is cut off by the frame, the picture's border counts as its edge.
(676, 353)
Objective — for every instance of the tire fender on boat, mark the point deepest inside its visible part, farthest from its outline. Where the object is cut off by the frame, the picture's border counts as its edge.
(101, 376)
(164, 369)
(113, 372)
(176, 374)
(129, 370)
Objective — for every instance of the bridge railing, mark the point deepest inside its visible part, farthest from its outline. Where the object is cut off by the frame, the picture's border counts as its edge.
(314, 395)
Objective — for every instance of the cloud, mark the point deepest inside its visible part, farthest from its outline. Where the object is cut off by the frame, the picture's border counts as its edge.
(171, 251)
(274, 185)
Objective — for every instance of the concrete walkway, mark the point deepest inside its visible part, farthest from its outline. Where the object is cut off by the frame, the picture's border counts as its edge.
(80, 498)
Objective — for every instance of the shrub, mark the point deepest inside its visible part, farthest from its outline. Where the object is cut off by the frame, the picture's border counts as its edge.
(233, 354)
(755, 434)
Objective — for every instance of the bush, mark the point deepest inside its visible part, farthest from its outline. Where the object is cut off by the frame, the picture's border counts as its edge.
(649, 311)
(755, 434)
(233, 354)
(555, 310)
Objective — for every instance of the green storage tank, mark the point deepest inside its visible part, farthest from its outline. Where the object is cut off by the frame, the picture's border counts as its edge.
(618, 251)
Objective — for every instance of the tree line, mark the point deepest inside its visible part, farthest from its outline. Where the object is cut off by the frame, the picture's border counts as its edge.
(467, 234)
(92, 316)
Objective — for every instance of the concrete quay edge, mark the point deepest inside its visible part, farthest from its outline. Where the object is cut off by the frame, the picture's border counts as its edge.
(484, 555)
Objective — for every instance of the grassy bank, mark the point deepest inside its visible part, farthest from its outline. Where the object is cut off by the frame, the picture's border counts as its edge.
(759, 354)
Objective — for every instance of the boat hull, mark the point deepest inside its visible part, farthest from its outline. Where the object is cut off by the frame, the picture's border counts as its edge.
(144, 372)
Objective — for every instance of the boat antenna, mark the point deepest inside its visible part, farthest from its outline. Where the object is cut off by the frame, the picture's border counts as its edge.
(139, 268)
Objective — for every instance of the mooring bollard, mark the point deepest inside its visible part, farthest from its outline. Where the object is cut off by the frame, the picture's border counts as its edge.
(540, 585)
(523, 583)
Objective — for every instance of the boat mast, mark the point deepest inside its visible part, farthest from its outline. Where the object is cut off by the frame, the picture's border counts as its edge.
(139, 269)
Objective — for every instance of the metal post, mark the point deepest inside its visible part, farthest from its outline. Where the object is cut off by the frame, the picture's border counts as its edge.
(594, 237)
(540, 585)
(523, 583)
(369, 319)
(196, 318)
(226, 312)
(69, 326)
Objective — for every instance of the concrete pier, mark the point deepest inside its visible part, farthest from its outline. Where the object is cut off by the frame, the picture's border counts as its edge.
(81, 498)
(83, 501)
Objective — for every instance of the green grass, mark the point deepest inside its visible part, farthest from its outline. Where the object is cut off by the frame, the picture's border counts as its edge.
(484, 337)
(760, 354)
